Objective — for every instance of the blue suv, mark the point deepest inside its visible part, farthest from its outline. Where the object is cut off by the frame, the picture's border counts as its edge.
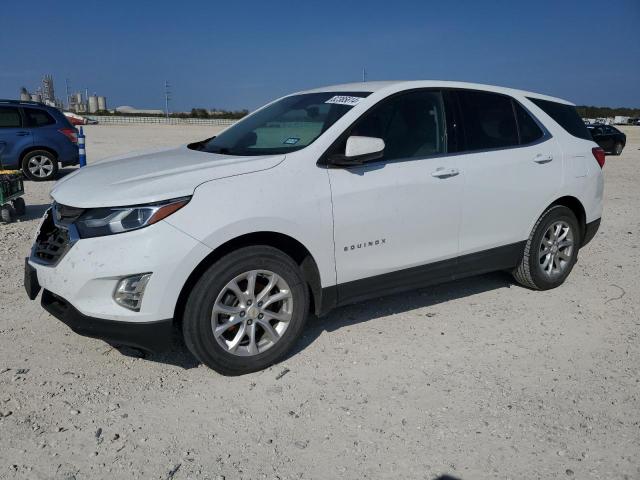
(36, 138)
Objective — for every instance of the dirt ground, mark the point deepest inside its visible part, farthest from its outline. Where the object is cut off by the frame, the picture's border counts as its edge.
(474, 379)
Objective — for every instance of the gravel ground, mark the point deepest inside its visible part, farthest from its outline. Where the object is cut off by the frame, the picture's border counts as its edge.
(473, 379)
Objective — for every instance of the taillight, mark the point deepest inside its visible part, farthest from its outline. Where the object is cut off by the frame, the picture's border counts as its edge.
(70, 133)
(598, 153)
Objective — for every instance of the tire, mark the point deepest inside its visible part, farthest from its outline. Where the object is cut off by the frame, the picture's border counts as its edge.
(40, 166)
(19, 206)
(537, 268)
(7, 213)
(617, 148)
(213, 290)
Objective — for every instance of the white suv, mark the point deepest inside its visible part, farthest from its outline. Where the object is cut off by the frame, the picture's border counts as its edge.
(318, 199)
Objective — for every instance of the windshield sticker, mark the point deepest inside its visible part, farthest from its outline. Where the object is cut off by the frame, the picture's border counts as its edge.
(344, 100)
(291, 141)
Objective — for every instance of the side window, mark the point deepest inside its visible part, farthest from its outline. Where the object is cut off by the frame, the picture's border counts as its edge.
(527, 126)
(10, 117)
(488, 119)
(38, 118)
(412, 125)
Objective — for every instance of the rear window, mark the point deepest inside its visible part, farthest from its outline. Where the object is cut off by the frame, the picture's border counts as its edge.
(566, 116)
(38, 118)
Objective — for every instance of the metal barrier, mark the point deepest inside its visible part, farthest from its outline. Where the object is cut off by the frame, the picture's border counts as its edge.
(123, 120)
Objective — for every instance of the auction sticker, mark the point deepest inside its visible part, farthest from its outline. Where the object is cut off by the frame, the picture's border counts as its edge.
(344, 100)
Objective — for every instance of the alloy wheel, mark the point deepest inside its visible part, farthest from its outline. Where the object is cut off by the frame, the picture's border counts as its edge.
(556, 249)
(40, 166)
(252, 312)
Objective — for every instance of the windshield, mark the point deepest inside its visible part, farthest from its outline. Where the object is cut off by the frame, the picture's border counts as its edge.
(285, 126)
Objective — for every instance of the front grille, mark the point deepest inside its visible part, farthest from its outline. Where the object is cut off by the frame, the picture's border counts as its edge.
(53, 240)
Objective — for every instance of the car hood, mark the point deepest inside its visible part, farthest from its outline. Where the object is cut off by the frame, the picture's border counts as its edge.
(151, 176)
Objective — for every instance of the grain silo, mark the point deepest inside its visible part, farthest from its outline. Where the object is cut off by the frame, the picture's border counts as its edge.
(93, 104)
(102, 103)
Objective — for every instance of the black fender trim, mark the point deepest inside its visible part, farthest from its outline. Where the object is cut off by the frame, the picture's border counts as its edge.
(590, 231)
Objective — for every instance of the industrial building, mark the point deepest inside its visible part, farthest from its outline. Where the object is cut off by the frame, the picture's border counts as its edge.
(45, 93)
(76, 102)
(129, 109)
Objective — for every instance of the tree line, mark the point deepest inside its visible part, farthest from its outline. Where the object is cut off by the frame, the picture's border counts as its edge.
(586, 111)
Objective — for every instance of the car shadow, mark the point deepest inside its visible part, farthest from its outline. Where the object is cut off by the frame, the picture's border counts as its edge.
(351, 315)
(34, 211)
(400, 303)
(63, 172)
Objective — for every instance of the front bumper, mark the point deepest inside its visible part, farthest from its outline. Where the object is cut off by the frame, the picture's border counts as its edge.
(89, 270)
(149, 336)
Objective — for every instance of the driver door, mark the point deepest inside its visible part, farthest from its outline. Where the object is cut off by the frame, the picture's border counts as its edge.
(396, 219)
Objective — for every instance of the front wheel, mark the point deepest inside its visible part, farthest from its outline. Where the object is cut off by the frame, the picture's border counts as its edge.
(19, 206)
(246, 311)
(551, 250)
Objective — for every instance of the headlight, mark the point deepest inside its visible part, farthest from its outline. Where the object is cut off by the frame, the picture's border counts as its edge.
(97, 222)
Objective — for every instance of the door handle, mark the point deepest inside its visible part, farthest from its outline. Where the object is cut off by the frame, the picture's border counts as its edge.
(22, 134)
(541, 159)
(442, 172)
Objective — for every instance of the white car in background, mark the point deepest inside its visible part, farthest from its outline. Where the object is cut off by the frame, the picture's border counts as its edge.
(319, 199)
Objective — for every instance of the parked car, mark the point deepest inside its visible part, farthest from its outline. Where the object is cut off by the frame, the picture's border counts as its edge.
(76, 119)
(319, 199)
(36, 138)
(609, 138)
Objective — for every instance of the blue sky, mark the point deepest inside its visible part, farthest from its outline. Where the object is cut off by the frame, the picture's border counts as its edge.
(241, 54)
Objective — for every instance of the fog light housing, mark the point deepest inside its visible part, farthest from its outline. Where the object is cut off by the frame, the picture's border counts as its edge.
(129, 291)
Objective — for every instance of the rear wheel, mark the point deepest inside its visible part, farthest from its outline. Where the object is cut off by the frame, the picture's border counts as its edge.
(7, 213)
(551, 250)
(40, 165)
(246, 311)
(617, 148)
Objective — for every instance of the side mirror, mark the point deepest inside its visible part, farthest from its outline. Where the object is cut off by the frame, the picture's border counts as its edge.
(359, 150)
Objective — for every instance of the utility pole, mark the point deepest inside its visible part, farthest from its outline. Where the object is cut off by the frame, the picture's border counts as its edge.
(167, 97)
(364, 74)
(66, 87)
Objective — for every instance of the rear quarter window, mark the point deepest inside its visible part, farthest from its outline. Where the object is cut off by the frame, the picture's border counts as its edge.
(565, 115)
(38, 118)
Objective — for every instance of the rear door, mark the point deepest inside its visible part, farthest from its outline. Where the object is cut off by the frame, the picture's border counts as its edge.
(14, 138)
(395, 216)
(512, 169)
(42, 125)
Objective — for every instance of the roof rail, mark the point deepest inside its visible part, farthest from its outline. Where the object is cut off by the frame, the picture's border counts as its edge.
(17, 102)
